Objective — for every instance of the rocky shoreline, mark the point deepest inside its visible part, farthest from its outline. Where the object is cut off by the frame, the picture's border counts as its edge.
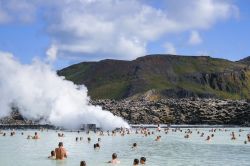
(189, 111)
(180, 111)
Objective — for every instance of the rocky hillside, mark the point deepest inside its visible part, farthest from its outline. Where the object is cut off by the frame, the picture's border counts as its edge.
(245, 60)
(168, 75)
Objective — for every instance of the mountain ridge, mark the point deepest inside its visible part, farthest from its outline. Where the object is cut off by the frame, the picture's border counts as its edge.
(174, 76)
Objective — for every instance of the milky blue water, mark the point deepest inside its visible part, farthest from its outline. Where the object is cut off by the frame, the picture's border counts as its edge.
(172, 150)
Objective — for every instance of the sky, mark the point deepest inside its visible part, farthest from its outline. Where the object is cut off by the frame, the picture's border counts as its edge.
(65, 32)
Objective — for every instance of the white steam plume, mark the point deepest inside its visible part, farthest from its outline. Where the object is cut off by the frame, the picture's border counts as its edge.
(40, 94)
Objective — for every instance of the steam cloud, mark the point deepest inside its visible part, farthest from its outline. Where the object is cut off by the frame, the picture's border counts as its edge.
(40, 94)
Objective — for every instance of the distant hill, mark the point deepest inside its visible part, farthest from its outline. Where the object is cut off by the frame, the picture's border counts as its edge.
(245, 60)
(166, 75)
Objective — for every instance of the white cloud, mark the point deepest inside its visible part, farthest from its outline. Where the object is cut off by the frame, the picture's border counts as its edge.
(52, 53)
(17, 10)
(194, 38)
(115, 28)
(170, 48)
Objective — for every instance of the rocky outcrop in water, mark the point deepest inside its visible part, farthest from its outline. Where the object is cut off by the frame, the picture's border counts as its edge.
(180, 111)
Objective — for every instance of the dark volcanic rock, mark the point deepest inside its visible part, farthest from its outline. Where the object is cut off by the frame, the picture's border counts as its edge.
(180, 111)
(15, 119)
(168, 111)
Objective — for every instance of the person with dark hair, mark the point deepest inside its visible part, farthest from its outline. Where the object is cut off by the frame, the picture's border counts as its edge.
(158, 128)
(52, 155)
(136, 162)
(134, 145)
(36, 136)
(114, 159)
(98, 145)
(60, 152)
(83, 163)
(143, 160)
(89, 139)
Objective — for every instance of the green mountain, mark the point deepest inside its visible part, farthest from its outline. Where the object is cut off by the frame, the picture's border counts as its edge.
(167, 75)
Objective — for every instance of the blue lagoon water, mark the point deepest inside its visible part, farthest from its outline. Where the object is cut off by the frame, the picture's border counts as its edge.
(172, 150)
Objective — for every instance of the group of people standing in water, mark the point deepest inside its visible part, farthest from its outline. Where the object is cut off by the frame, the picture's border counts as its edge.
(60, 153)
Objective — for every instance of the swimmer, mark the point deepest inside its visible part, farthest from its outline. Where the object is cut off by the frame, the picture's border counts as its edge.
(52, 155)
(143, 160)
(158, 138)
(89, 139)
(36, 136)
(208, 138)
(60, 152)
(76, 138)
(134, 145)
(233, 136)
(114, 159)
(96, 146)
(158, 128)
(60, 135)
(136, 162)
(83, 163)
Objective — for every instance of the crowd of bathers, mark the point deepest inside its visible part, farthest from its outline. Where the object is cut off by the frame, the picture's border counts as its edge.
(60, 153)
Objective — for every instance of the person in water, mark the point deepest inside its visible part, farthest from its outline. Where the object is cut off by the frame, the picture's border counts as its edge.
(158, 138)
(60, 152)
(158, 128)
(52, 155)
(114, 159)
(143, 160)
(233, 136)
(36, 136)
(134, 146)
(89, 139)
(136, 162)
(83, 163)
(96, 146)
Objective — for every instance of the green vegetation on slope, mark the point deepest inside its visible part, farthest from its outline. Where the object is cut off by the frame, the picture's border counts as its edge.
(201, 76)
